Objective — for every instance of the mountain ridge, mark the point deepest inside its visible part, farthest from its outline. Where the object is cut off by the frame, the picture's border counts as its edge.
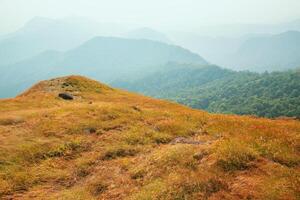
(274, 53)
(102, 58)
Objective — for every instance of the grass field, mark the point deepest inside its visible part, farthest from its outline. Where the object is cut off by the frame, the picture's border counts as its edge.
(111, 144)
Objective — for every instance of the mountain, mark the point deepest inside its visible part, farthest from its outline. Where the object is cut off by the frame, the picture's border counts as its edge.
(254, 52)
(15, 78)
(223, 91)
(276, 52)
(148, 33)
(221, 45)
(41, 34)
(218, 50)
(111, 144)
(241, 30)
(103, 58)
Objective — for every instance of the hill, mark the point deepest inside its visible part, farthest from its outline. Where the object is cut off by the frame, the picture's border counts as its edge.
(111, 144)
(103, 58)
(224, 91)
(272, 53)
(43, 34)
(148, 33)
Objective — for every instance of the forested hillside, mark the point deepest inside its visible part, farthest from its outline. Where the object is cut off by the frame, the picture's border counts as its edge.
(220, 90)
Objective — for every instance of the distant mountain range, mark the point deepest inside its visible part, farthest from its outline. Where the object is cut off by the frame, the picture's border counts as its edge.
(42, 34)
(275, 52)
(254, 52)
(239, 47)
(103, 58)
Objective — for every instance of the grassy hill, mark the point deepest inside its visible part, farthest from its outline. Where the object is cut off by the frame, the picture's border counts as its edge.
(224, 91)
(110, 144)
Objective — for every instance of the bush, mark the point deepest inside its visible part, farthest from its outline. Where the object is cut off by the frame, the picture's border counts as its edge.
(97, 188)
(11, 121)
(234, 155)
(116, 152)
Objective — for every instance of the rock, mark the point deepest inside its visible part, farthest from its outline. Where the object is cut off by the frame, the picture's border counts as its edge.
(136, 108)
(2, 162)
(65, 84)
(90, 130)
(66, 96)
(200, 155)
(182, 140)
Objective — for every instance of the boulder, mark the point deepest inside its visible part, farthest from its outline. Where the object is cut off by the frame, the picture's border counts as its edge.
(200, 155)
(90, 130)
(66, 96)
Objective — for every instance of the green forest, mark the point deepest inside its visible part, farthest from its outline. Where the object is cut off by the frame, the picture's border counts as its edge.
(224, 91)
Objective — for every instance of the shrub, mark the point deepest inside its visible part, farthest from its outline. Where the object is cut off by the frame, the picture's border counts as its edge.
(177, 128)
(15, 180)
(175, 156)
(189, 189)
(138, 174)
(234, 155)
(279, 152)
(11, 121)
(97, 188)
(161, 138)
(153, 190)
(116, 152)
(66, 149)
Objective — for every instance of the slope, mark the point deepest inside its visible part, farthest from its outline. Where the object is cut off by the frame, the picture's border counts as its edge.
(111, 144)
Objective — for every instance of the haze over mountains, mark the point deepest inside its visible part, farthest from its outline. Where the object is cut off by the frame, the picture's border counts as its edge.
(41, 34)
(221, 45)
(103, 58)
(275, 52)
(150, 100)
(147, 33)
(129, 57)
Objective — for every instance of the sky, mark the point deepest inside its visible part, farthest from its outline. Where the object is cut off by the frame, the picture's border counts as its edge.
(163, 14)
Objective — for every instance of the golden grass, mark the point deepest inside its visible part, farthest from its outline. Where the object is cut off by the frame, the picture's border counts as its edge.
(47, 150)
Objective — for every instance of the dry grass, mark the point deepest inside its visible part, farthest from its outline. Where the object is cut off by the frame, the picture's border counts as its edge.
(110, 144)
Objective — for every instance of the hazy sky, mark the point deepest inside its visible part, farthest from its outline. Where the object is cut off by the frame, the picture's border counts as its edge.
(171, 14)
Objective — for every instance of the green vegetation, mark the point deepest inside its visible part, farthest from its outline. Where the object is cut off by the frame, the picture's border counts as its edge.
(223, 91)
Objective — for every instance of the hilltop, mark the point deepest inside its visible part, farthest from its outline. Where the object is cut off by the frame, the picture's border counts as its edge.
(111, 144)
